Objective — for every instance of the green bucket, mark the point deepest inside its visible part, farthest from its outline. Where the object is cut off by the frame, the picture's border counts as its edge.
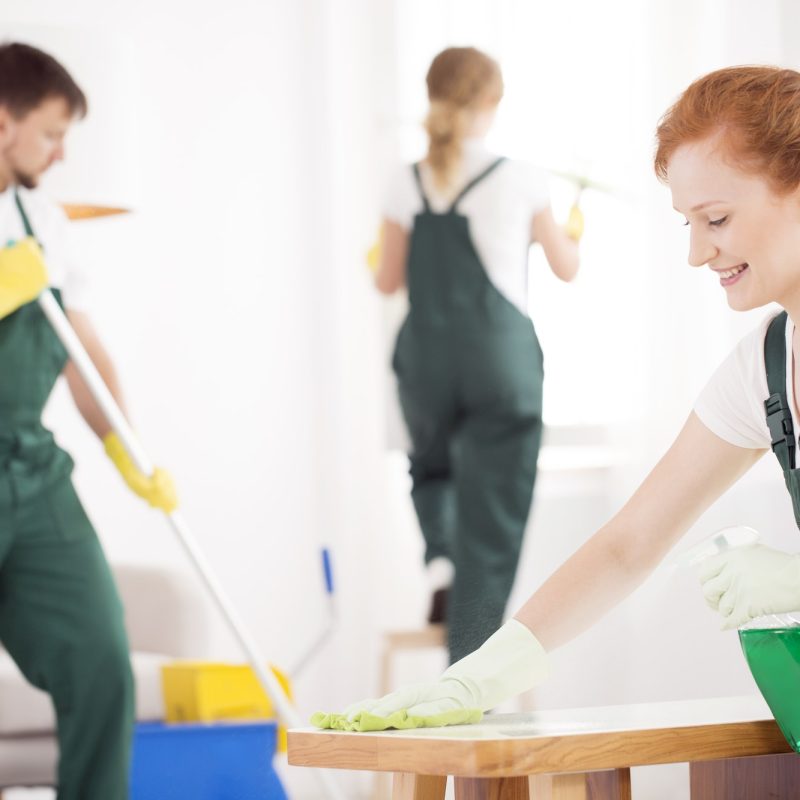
(773, 655)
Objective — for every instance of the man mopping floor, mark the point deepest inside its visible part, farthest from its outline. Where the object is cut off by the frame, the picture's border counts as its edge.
(60, 616)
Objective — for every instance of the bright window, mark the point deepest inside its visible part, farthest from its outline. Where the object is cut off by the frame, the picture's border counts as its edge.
(575, 103)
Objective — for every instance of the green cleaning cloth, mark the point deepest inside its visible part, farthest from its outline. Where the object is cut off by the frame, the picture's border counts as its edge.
(399, 719)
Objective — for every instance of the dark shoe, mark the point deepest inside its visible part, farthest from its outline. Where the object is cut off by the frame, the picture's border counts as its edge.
(438, 612)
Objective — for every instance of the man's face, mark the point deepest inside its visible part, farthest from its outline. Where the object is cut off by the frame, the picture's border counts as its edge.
(30, 144)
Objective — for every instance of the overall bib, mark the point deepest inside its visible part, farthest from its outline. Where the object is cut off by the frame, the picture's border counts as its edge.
(60, 615)
(469, 370)
(779, 417)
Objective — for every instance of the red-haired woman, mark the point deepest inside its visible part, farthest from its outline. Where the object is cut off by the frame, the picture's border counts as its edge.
(729, 149)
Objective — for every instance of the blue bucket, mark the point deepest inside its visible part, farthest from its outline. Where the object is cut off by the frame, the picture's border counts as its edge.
(218, 761)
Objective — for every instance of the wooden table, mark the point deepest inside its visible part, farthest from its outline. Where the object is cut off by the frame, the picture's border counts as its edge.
(733, 745)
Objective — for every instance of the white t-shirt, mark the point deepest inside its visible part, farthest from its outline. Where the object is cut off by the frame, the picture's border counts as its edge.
(732, 403)
(50, 224)
(500, 210)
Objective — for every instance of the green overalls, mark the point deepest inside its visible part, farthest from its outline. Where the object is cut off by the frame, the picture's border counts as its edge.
(779, 416)
(469, 370)
(60, 615)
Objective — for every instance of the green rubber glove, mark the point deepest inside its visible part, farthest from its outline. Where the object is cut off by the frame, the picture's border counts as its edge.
(23, 275)
(509, 662)
(749, 582)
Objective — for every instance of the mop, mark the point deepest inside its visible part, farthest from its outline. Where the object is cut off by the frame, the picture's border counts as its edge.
(323, 635)
(102, 396)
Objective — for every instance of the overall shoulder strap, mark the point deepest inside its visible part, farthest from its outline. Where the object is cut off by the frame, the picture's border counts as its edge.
(26, 223)
(476, 180)
(418, 178)
(779, 415)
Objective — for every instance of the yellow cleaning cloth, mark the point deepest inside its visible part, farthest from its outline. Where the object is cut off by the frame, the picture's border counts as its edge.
(23, 275)
(364, 721)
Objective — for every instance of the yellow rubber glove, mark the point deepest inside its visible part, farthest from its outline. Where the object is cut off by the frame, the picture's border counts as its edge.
(23, 275)
(574, 226)
(374, 253)
(158, 489)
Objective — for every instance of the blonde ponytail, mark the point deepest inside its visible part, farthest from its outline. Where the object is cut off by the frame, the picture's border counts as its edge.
(446, 125)
(461, 81)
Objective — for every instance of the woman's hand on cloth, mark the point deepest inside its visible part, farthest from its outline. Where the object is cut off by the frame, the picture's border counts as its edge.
(511, 661)
(749, 582)
(418, 700)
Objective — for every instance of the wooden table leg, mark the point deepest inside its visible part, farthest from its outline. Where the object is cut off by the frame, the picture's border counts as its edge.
(775, 777)
(612, 784)
(408, 786)
(381, 786)
(492, 789)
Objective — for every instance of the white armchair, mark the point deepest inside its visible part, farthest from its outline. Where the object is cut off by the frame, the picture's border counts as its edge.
(166, 617)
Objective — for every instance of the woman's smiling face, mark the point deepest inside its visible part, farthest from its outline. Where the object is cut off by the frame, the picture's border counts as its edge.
(740, 227)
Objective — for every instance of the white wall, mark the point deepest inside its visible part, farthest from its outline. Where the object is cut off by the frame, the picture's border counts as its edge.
(639, 333)
(235, 302)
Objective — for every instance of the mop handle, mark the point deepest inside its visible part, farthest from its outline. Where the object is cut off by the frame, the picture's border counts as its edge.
(99, 391)
(116, 418)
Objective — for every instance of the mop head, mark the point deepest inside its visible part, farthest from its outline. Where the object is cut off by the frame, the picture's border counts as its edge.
(364, 721)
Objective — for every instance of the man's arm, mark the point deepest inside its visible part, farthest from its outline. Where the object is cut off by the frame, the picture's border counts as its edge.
(157, 489)
(86, 404)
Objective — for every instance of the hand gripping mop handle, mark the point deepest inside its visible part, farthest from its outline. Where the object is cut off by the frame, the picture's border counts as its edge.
(102, 396)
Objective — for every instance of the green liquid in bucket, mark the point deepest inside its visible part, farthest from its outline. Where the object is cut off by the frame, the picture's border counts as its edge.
(773, 655)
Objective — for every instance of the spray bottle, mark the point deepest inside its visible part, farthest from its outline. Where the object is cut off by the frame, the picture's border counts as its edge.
(771, 643)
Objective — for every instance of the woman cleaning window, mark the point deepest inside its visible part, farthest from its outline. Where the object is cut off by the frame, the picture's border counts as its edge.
(457, 229)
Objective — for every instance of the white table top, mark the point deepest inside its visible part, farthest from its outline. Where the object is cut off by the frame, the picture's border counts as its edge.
(563, 740)
(566, 722)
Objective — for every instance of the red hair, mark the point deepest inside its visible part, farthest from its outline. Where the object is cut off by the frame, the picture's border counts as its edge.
(756, 110)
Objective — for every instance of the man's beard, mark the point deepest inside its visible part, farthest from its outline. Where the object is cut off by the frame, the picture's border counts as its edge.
(26, 180)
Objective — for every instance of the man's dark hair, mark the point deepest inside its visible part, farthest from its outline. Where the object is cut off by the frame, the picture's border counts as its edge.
(29, 76)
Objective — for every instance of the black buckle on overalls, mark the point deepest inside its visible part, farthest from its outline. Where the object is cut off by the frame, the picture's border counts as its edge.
(779, 420)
